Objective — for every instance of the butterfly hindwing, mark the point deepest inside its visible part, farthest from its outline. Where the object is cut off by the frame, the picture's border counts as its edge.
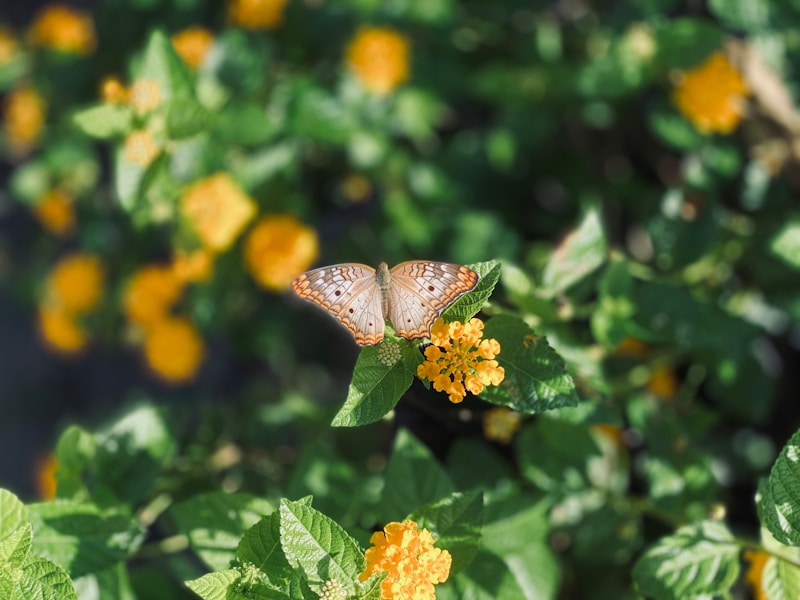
(421, 290)
(351, 294)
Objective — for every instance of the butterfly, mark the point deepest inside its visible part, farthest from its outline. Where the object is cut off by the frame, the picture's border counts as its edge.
(411, 294)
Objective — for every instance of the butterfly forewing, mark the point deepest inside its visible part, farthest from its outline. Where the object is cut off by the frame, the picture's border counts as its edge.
(350, 293)
(421, 290)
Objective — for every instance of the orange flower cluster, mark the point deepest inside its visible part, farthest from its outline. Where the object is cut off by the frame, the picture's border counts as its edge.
(712, 95)
(173, 347)
(140, 148)
(192, 45)
(500, 424)
(74, 288)
(46, 484)
(379, 58)
(458, 360)
(256, 14)
(278, 249)
(65, 29)
(412, 564)
(55, 212)
(753, 577)
(23, 119)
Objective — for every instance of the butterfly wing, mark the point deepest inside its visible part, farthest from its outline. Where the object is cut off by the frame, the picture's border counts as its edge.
(351, 294)
(421, 290)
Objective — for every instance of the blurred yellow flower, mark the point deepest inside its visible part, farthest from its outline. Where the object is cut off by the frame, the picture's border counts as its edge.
(278, 249)
(630, 346)
(46, 484)
(195, 266)
(174, 349)
(150, 294)
(55, 212)
(218, 209)
(112, 90)
(412, 564)
(9, 47)
(500, 424)
(663, 382)
(712, 95)
(76, 283)
(379, 57)
(458, 361)
(192, 45)
(23, 119)
(64, 29)
(356, 188)
(144, 96)
(140, 148)
(753, 576)
(610, 431)
(256, 14)
(60, 330)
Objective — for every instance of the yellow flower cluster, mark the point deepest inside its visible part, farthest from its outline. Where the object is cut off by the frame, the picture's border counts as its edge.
(192, 45)
(9, 47)
(712, 95)
(55, 212)
(458, 360)
(412, 564)
(278, 249)
(218, 210)
(172, 346)
(140, 148)
(23, 119)
(379, 58)
(74, 288)
(46, 484)
(500, 424)
(65, 29)
(112, 90)
(256, 14)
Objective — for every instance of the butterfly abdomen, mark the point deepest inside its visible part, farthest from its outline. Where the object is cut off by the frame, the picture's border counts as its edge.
(384, 279)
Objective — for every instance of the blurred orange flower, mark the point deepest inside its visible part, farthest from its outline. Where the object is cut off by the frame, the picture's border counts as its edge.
(256, 14)
(140, 148)
(76, 283)
(9, 47)
(23, 119)
(663, 382)
(755, 571)
(64, 29)
(60, 330)
(500, 424)
(193, 266)
(712, 95)
(174, 349)
(46, 484)
(55, 212)
(379, 57)
(192, 45)
(278, 249)
(218, 209)
(112, 90)
(150, 295)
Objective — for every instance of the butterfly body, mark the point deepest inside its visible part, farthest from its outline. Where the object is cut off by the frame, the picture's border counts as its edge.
(411, 295)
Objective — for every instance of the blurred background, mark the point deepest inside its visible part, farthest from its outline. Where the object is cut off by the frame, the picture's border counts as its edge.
(169, 166)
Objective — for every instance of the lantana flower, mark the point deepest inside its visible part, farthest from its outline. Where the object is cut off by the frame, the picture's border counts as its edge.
(23, 118)
(192, 45)
(145, 96)
(500, 424)
(379, 58)
(278, 249)
(63, 28)
(174, 349)
(412, 564)
(140, 148)
(256, 14)
(55, 212)
(712, 95)
(150, 294)
(60, 329)
(218, 209)
(76, 283)
(458, 360)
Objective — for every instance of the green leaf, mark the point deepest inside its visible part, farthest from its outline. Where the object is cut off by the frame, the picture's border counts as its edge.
(455, 523)
(161, 64)
(781, 495)
(413, 477)
(371, 588)
(751, 16)
(216, 521)
(186, 117)
(610, 320)
(112, 583)
(685, 43)
(536, 377)
(105, 121)
(786, 243)
(81, 538)
(44, 579)
(215, 586)
(245, 124)
(74, 451)
(555, 455)
(13, 514)
(701, 558)
(780, 579)
(320, 116)
(486, 578)
(318, 546)
(261, 546)
(16, 547)
(578, 255)
(376, 386)
(673, 129)
(468, 305)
